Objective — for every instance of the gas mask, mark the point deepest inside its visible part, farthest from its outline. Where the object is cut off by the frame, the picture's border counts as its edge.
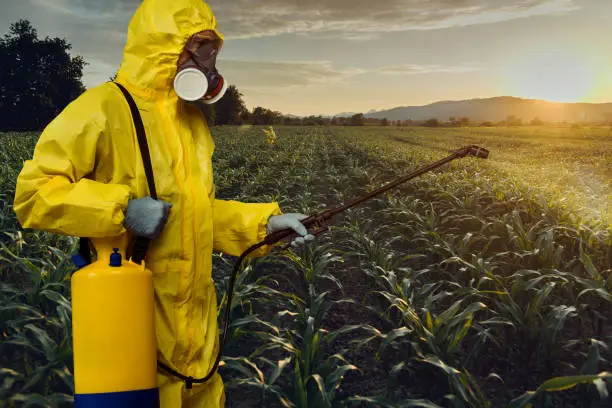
(198, 78)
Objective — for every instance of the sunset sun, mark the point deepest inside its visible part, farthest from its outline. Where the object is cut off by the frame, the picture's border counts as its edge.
(554, 76)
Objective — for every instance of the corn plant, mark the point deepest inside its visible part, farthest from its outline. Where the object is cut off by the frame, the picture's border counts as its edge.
(483, 283)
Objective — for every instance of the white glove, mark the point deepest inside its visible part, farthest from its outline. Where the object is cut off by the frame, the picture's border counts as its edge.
(147, 217)
(291, 220)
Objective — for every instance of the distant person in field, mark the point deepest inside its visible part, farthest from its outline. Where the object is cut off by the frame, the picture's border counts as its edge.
(86, 179)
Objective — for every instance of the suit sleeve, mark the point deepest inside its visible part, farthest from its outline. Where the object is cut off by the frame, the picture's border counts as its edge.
(53, 192)
(237, 226)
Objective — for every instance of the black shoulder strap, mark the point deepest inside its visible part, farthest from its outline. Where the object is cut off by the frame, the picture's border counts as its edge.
(141, 244)
(84, 251)
(142, 140)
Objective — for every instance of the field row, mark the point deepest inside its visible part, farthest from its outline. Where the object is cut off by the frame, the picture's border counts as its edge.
(456, 260)
(470, 286)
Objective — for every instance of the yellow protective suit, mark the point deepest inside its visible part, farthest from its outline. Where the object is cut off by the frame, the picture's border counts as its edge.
(87, 165)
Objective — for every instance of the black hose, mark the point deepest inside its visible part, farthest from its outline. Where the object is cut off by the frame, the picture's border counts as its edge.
(189, 381)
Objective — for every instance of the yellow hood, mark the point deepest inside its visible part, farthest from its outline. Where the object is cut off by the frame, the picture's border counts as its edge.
(156, 36)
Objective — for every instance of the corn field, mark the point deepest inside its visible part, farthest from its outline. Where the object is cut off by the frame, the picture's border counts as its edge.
(484, 283)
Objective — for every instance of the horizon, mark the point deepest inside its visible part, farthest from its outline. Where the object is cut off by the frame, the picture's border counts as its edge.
(456, 100)
(331, 57)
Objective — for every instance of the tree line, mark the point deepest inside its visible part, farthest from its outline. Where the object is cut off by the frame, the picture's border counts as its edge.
(510, 120)
(39, 78)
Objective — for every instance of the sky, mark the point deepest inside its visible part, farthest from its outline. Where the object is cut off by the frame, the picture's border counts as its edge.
(313, 57)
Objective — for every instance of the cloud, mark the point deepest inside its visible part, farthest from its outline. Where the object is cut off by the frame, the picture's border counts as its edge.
(98, 71)
(108, 11)
(347, 19)
(96, 29)
(271, 76)
(412, 69)
(266, 77)
(97, 32)
(359, 19)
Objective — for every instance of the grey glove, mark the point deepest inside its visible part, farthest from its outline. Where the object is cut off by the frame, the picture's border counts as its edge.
(147, 217)
(291, 220)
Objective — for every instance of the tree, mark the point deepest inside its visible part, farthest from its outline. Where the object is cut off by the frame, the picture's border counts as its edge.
(258, 116)
(290, 120)
(432, 123)
(464, 121)
(385, 122)
(263, 116)
(38, 78)
(537, 121)
(309, 121)
(245, 117)
(512, 120)
(230, 109)
(208, 111)
(357, 120)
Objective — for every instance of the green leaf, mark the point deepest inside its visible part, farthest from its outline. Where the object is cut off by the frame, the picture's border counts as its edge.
(278, 369)
(586, 261)
(331, 337)
(470, 310)
(602, 388)
(301, 394)
(40, 374)
(242, 365)
(394, 334)
(460, 335)
(414, 403)
(336, 376)
(523, 400)
(601, 292)
(322, 395)
(35, 400)
(497, 320)
(559, 384)
(428, 320)
(445, 316)
(61, 399)
(57, 298)
(593, 357)
(253, 319)
(436, 361)
(564, 383)
(49, 346)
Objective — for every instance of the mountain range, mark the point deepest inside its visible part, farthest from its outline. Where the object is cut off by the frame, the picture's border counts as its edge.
(497, 109)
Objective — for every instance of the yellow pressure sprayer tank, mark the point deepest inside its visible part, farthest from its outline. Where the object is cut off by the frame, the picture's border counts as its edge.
(113, 327)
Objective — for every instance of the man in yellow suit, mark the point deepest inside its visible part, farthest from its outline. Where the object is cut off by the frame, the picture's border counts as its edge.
(87, 179)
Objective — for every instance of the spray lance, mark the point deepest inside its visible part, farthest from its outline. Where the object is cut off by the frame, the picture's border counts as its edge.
(113, 327)
(317, 224)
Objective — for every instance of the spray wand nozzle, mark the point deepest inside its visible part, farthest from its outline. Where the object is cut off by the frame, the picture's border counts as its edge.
(317, 223)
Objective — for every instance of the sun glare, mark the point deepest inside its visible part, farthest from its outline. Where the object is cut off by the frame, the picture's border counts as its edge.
(552, 76)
